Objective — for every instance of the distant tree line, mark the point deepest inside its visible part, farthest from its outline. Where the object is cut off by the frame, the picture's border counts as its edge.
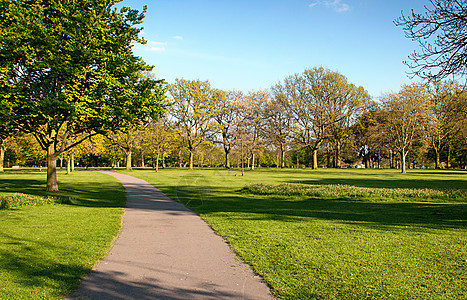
(311, 119)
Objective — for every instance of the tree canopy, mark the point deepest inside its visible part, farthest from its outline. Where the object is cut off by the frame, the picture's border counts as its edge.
(67, 69)
(441, 32)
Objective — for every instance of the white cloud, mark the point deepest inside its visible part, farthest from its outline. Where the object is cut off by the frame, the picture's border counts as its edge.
(152, 46)
(177, 37)
(336, 5)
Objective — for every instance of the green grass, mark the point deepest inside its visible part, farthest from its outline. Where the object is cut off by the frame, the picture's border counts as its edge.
(45, 250)
(351, 243)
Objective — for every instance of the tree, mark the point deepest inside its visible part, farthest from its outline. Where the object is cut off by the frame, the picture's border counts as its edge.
(441, 32)
(317, 101)
(403, 116)
(343, 109)
(252, 111)
(157, 139)
(69, 70)
(126, 141)
(226, 117)
(277, 127)
(192, 109)
(442, 124)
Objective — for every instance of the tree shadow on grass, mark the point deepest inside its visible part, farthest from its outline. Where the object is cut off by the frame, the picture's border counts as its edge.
(89, 194)
(34, 271)
(384, 215)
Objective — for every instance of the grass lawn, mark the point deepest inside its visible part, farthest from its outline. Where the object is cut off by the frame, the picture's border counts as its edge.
(336, 247)
(45, 250)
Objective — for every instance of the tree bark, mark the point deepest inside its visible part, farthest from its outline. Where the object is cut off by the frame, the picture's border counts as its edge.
(227, 159)
(191, 160)
(315, 159)
(157, 161)
(403, 168)
(282, 156)
(68, 165)
(437, 160)
(52, 184)
(253, 161)
(128, 160)
(142, 159)
(338, 155)
(449, 156)
(2, 157)
(72, 162)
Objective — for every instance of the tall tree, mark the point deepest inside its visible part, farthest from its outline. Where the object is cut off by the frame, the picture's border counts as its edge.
(441, 32)
(317, 100)
(252, 109)
(69, 70)
(443, 121)
(192, 109)
(403, 118)
(158, 139)
(226, 120)
(344, 106)
(277, 127)
(126, 140)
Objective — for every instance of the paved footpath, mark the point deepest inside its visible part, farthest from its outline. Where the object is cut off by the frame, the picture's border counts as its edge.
(165, 251)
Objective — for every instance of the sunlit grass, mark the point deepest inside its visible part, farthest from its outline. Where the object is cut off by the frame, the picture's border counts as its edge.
(45, 247)
(337, 234)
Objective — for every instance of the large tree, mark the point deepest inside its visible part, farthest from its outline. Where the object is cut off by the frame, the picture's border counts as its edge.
(403, 117)
(318, 100)
(193, 104)
(441, 32)
(276, 128)
(226, 116)
(444, 119)
(67, 69)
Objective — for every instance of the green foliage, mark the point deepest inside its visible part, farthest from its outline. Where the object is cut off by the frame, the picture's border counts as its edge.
(68, 71)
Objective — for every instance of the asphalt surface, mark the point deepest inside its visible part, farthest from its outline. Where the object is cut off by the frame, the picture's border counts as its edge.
(166, 251)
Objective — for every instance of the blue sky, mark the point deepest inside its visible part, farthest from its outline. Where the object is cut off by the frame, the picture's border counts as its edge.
(252, 45)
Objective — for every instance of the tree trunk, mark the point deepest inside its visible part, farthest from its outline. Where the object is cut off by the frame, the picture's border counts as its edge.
(449, 156)
(52, 184)
(68, 165)
(2, 157)
(72, 162)
(253, 161)
(227, 159)
(180, 158)
(191, 160)
(403, 168)
(128, 160)
(282, 156)
(157, 161)
(437, 160)
(338, 155)
(315, 159)
(142, 159)
(242, 161)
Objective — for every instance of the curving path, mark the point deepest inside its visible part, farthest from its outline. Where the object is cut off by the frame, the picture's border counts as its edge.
(166, 251)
